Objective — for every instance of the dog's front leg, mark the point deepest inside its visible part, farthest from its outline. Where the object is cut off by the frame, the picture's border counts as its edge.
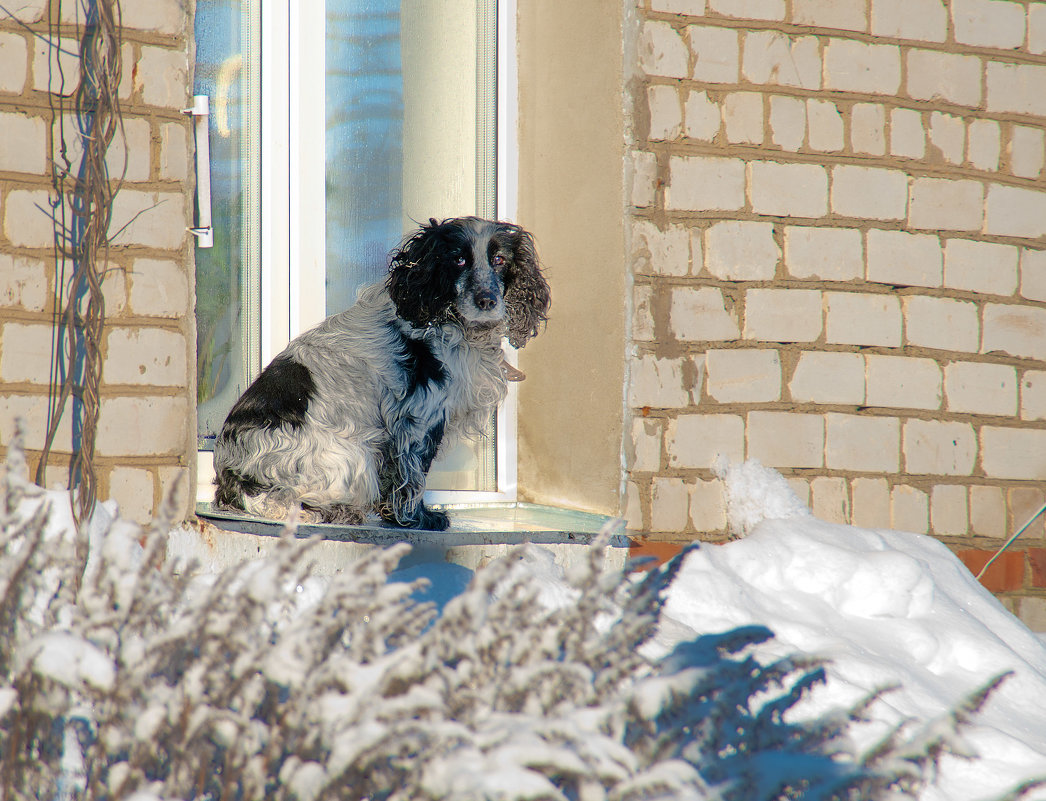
(404, 468)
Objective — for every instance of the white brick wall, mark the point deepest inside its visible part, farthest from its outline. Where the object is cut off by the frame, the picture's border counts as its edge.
(845, 274)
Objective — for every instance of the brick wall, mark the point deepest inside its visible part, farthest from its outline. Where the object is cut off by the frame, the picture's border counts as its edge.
(838, 246)
(146, 432)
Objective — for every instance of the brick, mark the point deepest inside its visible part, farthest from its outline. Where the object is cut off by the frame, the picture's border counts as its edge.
(868, 128)
(643, 313)
(1033, 274)
(645, 451)
(157, 16)
(705, 183)
(922, 20)
(870, 501)
(783, 315)
(27, 10)
(23, 145)
(983, 267)
(151, 219)
(128, 155)
(853, 66)
(743, 118)
(33, 410)
(162, 77)
(870, 193)
(1032, 611)
(1015, 211)
(787, 122)
(830, 254)
(702, 117)
(988, 23)
(825, 125)
(863, 319)
(25, 352)
(941, 323)
(831, 499)
(643, 548)
(1037, 563)
(662, 51)
(933, 447)
(772, 58)
(56, 70)
(1018, 453)
(27, 218)
(949, 510)
(801, 488)
(701, 314)
(861, 443)
(174, 152)
(23, 283)
(788, 190)
(786, 439)
(848, 15)
(987, 511)
(699, 439)
(907, 134)
(1016, 88)
(828, 377)
(1006, 573)
(1023, 503)
(659, 383)
(903, 259)
(717, 54)
(132, 489)
(749, 9)
(933, 75)
(633, 511)
(666, 112)
(983, 144)
(1033, 395)
(145, 356)
(1026, 151)
(693, 8)
(660, 252)
(1016, 330)
(14, 58)
(707, 506)
(1037, 28)
(743, 376)
(148, 426)
(948, 135)
(978, 388)
(184, 493)
(909, 509)
(946, 204)
(669, 505)
(739, 250)
(644, 179)
(903, 382)
(158, 288)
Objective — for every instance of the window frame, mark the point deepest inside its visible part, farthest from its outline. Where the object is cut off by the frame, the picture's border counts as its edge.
(292, 223)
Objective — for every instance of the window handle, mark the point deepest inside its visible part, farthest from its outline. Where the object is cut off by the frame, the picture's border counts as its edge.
(200, 111)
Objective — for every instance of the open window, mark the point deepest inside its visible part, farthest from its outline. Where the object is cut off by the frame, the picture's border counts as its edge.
(333, 127)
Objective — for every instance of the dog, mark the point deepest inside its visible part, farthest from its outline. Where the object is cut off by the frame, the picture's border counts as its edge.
(346, 421)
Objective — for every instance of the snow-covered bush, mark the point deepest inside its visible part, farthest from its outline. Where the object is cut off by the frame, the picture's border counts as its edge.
(120, 677)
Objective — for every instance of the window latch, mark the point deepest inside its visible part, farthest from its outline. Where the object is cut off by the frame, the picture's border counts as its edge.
(200, 112)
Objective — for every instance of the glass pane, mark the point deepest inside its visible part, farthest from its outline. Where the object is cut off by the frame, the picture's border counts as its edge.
(227, 275)
(410, 116)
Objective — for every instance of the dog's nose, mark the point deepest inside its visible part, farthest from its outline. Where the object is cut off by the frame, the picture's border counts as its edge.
(485, 300)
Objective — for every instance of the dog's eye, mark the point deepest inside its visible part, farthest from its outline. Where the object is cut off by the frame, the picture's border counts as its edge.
(460, 261)
(498, 260)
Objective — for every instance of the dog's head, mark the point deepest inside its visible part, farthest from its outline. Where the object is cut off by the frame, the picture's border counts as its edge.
(478, 272)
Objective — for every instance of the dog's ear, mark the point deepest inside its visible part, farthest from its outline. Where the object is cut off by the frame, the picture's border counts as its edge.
(420, 284)
(527, 296)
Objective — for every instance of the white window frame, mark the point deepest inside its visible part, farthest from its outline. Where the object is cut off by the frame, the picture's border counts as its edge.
(293, 233)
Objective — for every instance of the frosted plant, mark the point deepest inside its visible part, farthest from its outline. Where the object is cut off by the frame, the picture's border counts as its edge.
(123, 678)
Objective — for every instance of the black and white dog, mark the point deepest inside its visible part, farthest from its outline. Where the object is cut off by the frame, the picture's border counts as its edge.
(347, 419)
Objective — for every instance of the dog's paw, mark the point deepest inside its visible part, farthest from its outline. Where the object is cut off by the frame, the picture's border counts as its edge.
(433, 520)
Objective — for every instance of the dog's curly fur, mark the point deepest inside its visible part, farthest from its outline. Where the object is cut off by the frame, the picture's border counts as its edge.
(347, 420)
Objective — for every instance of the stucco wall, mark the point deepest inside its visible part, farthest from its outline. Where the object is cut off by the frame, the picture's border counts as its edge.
(838, 243)
(146, 430)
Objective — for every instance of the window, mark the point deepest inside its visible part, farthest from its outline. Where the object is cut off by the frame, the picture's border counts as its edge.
(333, 128)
